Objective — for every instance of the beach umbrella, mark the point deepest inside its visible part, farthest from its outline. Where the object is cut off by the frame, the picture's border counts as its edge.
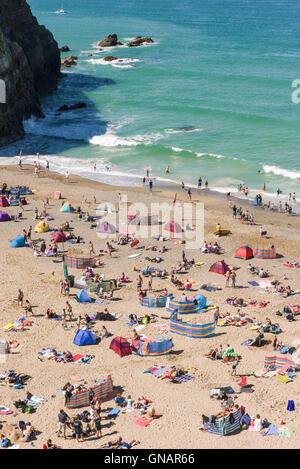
(173, 227)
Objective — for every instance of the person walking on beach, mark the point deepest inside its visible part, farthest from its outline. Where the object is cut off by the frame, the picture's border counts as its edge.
(206, 184)
(233, 368)
(150, 283)
(47, 164)
(189, 194)
(91, 246)
(139, 283)
(63, 420)
(61, 288)
(67, 176)
(150, 185)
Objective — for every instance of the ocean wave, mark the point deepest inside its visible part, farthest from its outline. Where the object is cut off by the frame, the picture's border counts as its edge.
(287, 173)
(110, 139)
(120, 62)
(218, 156)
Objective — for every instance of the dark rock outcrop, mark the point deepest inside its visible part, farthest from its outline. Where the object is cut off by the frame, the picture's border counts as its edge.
(139, 41)
(69, 61)
(110, 41)
(29, 66)
(110, 58)
(64, 49)
(72, 107)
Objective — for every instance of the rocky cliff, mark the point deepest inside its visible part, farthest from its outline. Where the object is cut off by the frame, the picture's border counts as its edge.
(29, 66)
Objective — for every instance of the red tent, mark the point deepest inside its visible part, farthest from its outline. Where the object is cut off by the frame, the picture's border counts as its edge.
(120, 346)
(3, 201)
(173, 227)
(219, 268)
(58, 236)
(244, 252)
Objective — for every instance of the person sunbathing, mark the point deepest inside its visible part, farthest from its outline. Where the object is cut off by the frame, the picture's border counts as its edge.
(119, 443)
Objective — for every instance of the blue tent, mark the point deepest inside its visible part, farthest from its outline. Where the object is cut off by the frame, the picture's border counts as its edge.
(201, 300)
(83, 297)
(84, 337)
(66, 208)
(18, 242)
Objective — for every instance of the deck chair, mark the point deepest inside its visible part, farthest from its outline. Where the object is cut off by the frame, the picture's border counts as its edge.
(242, 383)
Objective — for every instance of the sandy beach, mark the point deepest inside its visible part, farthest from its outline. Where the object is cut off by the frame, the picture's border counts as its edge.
(181, 405)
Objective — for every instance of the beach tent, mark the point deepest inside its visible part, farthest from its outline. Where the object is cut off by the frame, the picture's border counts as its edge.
(120, 346)
(41, 227)
(3, 201)
(145, 220)
(173, 227)
(105, 228)
(18, 242)
(4, 216)
(219, 267)
(265, 253)
(84, 337)
(66, 207)
(59, 236)
(244, 252)
(83, 297)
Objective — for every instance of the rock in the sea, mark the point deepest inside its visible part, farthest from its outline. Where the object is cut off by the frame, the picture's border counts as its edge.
(110, 41)
(64, 49)
(69, 61)
(139, 41)
(110, 58)
(29, 65)
(72, 107)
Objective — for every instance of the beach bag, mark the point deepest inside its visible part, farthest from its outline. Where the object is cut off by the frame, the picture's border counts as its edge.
(5, 443)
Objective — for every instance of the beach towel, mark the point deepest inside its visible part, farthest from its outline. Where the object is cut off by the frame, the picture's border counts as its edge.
(76, 378)
(143, 421)
(284, 432)
(182, 378)
(77, 357)
(271, 430)
(283, 379)
(254, 284)
(114, 412)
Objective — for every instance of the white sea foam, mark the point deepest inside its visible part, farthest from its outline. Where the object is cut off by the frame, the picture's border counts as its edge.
(287, 173)
(110, 139)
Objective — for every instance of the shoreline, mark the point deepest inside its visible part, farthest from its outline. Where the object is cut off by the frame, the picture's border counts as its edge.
(160, 183)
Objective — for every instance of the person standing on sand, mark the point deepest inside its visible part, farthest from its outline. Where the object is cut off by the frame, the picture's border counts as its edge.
(20, 297)
(47, 164)
(182, 186)
(150, 283)
(217, 315)
(150, 185)
(206, 184)
(233, 278)
(67, 176)
(189, 194)
(199, 183)
(227, 277)
(264, 186)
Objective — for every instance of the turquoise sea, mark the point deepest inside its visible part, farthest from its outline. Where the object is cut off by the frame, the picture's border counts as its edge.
(222, 70)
